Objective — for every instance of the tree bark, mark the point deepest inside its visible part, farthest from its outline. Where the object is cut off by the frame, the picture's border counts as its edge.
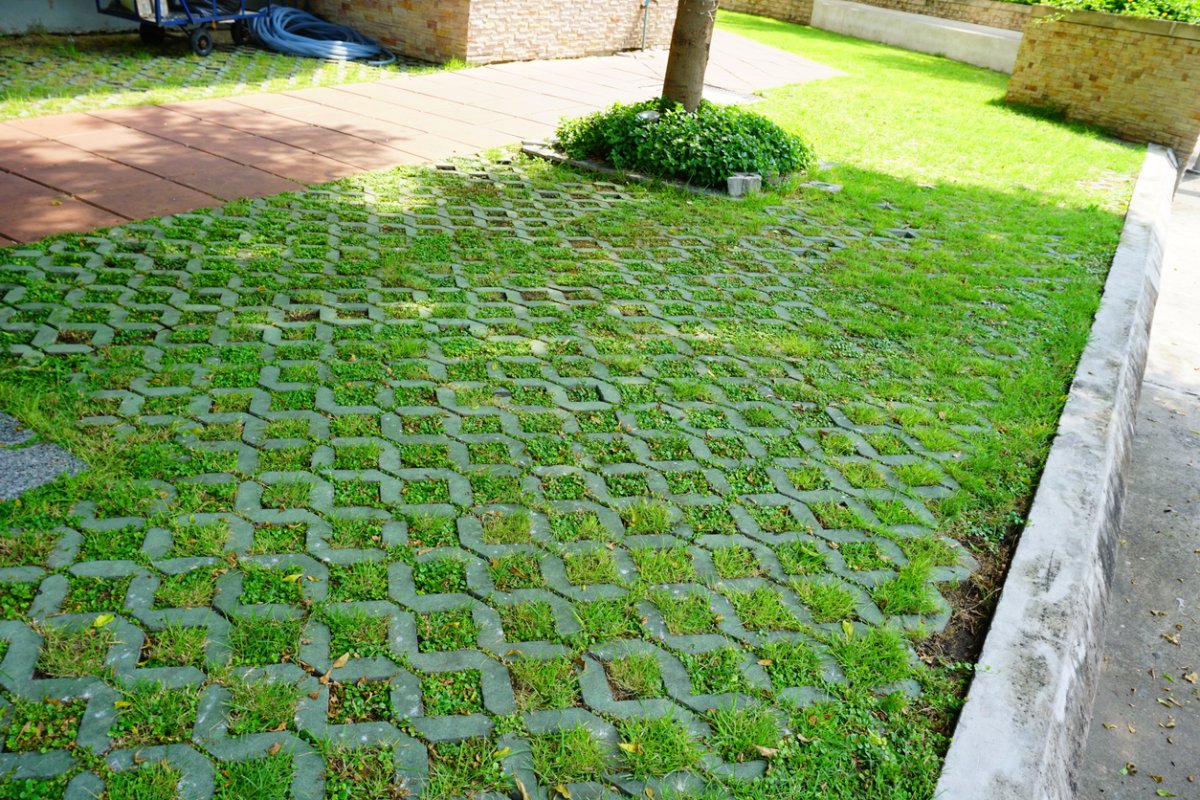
(690, 41)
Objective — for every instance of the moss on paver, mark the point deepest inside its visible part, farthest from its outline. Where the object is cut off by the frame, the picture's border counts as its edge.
(515, 477)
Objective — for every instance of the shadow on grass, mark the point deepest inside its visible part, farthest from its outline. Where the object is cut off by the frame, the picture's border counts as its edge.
(1056, 116)
(955, 315)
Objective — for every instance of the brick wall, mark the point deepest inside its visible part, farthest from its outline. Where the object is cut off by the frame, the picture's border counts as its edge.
(798, 11)
(1010, 16)
(517, 30)
(1140, 78)
(482, 31)
(432, 30)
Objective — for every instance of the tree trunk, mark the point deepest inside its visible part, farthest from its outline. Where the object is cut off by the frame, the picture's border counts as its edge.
(688, 59)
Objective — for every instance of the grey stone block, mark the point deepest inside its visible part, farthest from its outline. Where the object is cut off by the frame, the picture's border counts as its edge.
(743, 183)
(25, 468)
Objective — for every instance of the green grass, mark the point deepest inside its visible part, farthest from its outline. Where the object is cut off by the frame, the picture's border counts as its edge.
(544, 685)
(744, 734)
(50, 74)
(635, 676)
(366, 773)
(572, 755)
(258, 706)
(468, 767)
(267, 778)
(656, 747)
(42, 726)
(950, 352)
(153, 715)
(152, 781)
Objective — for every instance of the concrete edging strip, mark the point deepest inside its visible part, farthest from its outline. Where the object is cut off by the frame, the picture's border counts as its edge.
(1023, 729)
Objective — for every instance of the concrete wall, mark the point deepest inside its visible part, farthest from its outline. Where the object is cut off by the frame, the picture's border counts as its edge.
(483, 31)
(56, 16)
(993, 48)
(1010, 16)
(1140, 78)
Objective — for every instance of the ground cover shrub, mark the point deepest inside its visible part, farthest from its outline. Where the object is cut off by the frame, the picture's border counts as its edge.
(1179, 10)
(660, 138)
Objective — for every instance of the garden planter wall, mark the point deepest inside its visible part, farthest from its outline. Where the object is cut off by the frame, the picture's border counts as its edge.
(981, 45)
(485, 31)
(1135, 77)
(1010, 16)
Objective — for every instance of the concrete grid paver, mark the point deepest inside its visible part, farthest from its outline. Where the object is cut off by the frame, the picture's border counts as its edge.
(321, 397)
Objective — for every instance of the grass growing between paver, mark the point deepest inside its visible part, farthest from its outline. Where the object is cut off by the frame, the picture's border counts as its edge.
(54, 74)
(509, 450)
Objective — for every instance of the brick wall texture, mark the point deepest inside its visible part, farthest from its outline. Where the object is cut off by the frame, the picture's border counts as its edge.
(432, 30)
(1011, 16)
(516, 30)
(1135, 77)
(483, 31)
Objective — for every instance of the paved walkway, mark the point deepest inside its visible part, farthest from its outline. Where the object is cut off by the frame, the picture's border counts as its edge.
(78, 172)
(1146, 721)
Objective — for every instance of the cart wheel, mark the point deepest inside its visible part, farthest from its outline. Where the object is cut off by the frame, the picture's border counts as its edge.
(202, 41)
(241, 32)
(151, 33)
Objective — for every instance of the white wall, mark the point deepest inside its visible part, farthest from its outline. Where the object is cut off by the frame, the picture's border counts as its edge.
(993, 48)
(58, 16)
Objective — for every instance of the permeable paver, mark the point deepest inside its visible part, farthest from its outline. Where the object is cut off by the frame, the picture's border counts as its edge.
(444, 487)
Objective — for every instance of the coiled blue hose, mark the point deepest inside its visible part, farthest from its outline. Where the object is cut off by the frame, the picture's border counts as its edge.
(290, 30)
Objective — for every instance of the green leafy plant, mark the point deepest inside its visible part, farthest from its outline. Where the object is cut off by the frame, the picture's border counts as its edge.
(705, 147)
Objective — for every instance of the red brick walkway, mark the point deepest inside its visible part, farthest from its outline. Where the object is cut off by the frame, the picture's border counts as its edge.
(78, 172)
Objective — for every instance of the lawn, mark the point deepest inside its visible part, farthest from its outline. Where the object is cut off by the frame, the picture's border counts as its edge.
(443, 483)
(52, 74)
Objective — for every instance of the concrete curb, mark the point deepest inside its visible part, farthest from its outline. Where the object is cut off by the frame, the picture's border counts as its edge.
(980, 45)
(1024, 727)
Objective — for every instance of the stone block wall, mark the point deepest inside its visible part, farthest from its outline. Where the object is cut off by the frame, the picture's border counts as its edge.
(483, 31)
(1139, 78)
